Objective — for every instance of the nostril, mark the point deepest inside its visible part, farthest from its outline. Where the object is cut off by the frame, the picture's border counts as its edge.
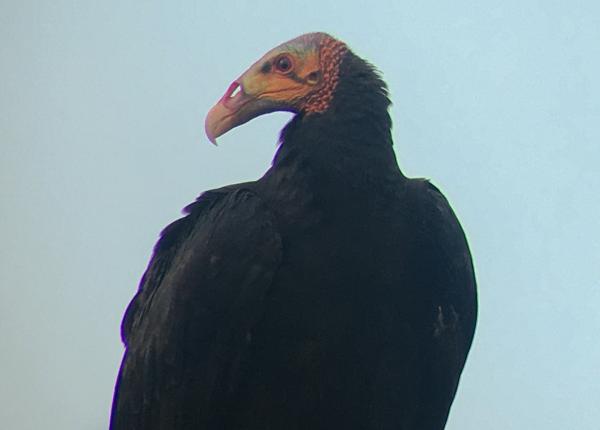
(235, 91)
(234, 96)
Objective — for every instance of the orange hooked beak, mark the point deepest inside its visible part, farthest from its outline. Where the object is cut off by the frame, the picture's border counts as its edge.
(236, 107)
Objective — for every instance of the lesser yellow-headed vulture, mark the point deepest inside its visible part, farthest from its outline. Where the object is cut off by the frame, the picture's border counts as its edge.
(332, 293)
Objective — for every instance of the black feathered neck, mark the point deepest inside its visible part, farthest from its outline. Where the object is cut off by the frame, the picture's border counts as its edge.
(355, 131)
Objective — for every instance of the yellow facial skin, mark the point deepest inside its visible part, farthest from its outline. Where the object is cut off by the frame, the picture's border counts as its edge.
(279, 81)
(267, 79)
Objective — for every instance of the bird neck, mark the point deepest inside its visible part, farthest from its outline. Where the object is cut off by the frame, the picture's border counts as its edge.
(351, 139)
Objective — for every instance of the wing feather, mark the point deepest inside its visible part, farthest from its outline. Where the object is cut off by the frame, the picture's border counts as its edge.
(187, 328)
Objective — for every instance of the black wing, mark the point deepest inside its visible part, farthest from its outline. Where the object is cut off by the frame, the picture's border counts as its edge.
(187, 328)
(446, 270)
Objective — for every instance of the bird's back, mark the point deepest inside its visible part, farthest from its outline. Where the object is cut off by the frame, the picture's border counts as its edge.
(365, 324)
(356, 317)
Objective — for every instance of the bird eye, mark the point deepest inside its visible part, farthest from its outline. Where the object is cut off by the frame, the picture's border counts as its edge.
(283, 64)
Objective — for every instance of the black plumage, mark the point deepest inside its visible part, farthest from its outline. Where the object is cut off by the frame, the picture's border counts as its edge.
(332, 293)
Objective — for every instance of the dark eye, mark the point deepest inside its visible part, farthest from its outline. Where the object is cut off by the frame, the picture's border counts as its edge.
(283, 64)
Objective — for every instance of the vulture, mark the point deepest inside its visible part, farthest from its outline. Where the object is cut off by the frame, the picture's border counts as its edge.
(332, 293)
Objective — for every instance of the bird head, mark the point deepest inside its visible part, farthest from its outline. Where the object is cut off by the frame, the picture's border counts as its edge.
(297, 76)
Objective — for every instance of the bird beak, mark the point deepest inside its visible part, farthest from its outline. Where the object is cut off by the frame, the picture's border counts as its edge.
(240, 103)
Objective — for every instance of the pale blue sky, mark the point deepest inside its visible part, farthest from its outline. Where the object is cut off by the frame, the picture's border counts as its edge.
(102, 108)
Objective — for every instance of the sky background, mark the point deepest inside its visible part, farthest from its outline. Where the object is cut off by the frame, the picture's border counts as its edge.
(102, 108)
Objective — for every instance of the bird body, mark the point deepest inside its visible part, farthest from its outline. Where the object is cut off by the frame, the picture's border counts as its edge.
(333, 292)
